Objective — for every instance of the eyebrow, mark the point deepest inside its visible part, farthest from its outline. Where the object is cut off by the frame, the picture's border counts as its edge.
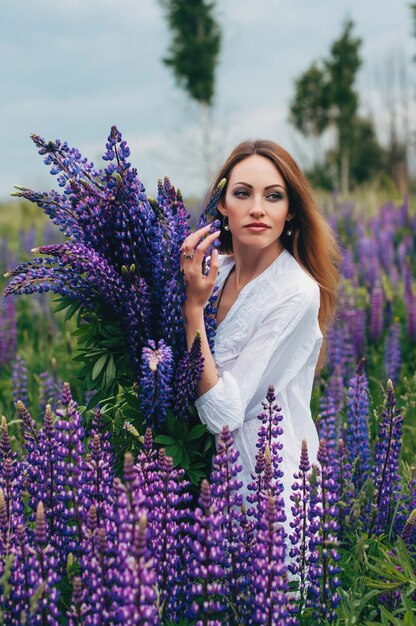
(268, 187)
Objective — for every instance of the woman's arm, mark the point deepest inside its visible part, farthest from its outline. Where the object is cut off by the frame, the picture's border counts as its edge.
(198, 291)
(274, 354)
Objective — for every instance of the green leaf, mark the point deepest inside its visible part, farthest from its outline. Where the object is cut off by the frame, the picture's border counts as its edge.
(72, 309)
(196, 433)
(195, 476)
(165, 440)
(110, 372)
(96, 399)
(185, 458)
(99, 366)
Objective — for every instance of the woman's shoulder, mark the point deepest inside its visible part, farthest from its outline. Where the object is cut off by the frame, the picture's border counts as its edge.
(290, 277)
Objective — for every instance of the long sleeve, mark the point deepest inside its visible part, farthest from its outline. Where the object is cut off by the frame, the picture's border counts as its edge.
(278, 348)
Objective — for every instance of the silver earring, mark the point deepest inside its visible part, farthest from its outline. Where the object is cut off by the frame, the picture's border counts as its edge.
(225, 223)
(289, 230)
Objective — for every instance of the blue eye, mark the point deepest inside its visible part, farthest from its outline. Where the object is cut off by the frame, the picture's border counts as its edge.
(275, 196)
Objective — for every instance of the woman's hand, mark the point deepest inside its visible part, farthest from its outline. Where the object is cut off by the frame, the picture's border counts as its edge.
(198, 287)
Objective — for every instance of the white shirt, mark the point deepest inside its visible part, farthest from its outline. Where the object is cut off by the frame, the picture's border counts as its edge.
(270, 336)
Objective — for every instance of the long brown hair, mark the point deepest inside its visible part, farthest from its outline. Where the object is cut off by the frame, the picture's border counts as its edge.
(312, 243)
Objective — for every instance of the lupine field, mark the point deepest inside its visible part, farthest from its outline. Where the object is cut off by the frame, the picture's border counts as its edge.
(116, 507)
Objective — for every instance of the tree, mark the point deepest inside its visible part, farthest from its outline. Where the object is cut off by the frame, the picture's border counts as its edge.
(326, 97)
(193, 55)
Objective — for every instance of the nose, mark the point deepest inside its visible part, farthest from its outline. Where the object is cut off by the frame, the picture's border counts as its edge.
(256, 208)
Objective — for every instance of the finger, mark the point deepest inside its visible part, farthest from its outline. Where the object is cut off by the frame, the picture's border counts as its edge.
(213, 266)
(204, 245)
(193, 239)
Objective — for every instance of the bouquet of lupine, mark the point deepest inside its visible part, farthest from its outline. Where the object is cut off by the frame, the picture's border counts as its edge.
(119, 272)
(82, 546)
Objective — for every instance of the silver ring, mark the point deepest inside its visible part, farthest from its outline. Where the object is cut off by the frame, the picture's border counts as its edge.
(187, 256)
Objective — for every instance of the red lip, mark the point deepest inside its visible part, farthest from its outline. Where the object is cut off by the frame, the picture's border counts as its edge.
(257, 225)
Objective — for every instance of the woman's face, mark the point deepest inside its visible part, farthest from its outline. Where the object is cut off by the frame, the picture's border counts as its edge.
(256, 203)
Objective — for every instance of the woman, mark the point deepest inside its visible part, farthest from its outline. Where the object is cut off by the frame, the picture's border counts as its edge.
(276, 280)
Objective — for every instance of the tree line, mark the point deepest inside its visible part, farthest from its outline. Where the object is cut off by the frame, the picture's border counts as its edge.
(325, 102)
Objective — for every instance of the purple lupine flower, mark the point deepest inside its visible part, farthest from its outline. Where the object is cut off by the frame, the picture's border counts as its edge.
(228, 501)
(145, 603)
(146, 461)
(157, 363)
(210, 213)
(42, 575)
(328, 426)
(410, 301)
(187, 377)
(267, 475)
(206, 592)
(78, 609)
(45, 472)
(269, 578)
(12, 473)
(48, 391)
(8, 331)
(409, 529)
(323, 515)
(392, 353)
(357, 438)
(98, 476)
(19, 377)
(376, 312)
(299, 538)
(167, 523)
(347, 268)
(359, 332)
(69, 451)
(343, 471)
(385, 470)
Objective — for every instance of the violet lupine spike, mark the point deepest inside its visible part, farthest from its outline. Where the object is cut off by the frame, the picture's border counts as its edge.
(228, 501)
(328, 422)
(392, 353)
(359, 333)
(146, 461)
(173, 298)
(70, 450)
(187, 376)
(42, 566)
(8, 331)
(206, 597)
(12, 473)
(343, 470)
(385, 470)
(269, 572)
(323, 558)
(98, 476)
(19, 378)
(409, 529)
(78, 611)
(376, 312)
(357, 437)
(48, 393)
(156, 377)
(145, 601)
(210, 212)
(168, 521)
(299, 538)
(410, 301)
(267, 476)
(336, 387)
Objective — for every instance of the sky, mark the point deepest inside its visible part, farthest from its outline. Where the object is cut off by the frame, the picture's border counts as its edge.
(71, 69)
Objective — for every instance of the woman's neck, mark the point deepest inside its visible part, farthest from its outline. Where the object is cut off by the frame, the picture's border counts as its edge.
(250, 263)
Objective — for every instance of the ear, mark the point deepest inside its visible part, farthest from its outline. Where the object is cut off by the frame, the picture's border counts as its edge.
(222, 207)
(289, 217)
